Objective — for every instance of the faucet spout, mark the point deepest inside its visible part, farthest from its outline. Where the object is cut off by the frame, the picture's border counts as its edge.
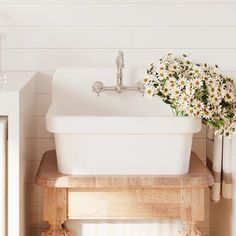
(120, 59)
(120, 66)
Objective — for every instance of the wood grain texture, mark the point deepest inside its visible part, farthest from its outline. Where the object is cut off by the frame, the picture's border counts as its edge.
(124, 204)
(192, 204)
(48, 176)
(55, 211)
(55, 201)
(122, 197)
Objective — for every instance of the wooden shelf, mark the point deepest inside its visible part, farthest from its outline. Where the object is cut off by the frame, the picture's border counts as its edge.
(48, 176)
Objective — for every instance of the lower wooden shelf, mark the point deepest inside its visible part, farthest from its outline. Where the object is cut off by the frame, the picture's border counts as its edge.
(122, 197)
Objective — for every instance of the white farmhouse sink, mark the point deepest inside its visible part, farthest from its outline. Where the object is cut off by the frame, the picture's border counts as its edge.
(115, 134)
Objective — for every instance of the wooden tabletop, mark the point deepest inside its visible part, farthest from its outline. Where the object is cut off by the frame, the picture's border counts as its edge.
(48, 176)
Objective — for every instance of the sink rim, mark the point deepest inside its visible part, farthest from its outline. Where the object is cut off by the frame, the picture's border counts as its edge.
(121, 124)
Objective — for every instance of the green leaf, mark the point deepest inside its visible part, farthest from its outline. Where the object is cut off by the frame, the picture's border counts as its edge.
(167, 102)
(230, 115)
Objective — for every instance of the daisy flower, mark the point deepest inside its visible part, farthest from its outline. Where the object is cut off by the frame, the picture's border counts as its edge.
(149, 91)
(182, 82)
(194, 90)
(197, 83)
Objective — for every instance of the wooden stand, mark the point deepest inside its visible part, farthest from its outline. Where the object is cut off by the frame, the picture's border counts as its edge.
(122, 197)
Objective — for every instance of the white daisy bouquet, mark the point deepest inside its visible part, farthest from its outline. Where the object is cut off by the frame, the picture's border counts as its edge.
(194, 90)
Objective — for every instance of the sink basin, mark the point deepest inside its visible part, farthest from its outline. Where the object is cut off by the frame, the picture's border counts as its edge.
(115, 134)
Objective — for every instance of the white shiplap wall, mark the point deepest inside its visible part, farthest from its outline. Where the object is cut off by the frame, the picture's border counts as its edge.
(44, 35)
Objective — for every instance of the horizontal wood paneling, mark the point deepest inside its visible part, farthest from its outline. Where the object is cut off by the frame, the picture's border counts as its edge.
(37, 147)
(34, 196)
(31, 168)
(51, 59)
(43, 35)
(120, 1)
(34, 215)
(120, 37)
(199, 147)
(44, 82)
(119, 14)
(36, 128)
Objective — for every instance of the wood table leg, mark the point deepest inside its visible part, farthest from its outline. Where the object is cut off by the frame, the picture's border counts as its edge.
(190, 229)
(192, 210)
(55, 211)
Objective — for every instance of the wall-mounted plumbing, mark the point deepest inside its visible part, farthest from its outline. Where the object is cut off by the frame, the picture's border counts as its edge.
(99, 87)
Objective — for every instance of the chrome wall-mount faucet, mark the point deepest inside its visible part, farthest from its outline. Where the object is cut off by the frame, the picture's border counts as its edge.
(99, 87)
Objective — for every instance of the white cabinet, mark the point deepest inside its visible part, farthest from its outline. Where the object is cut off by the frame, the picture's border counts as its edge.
(14, 96)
